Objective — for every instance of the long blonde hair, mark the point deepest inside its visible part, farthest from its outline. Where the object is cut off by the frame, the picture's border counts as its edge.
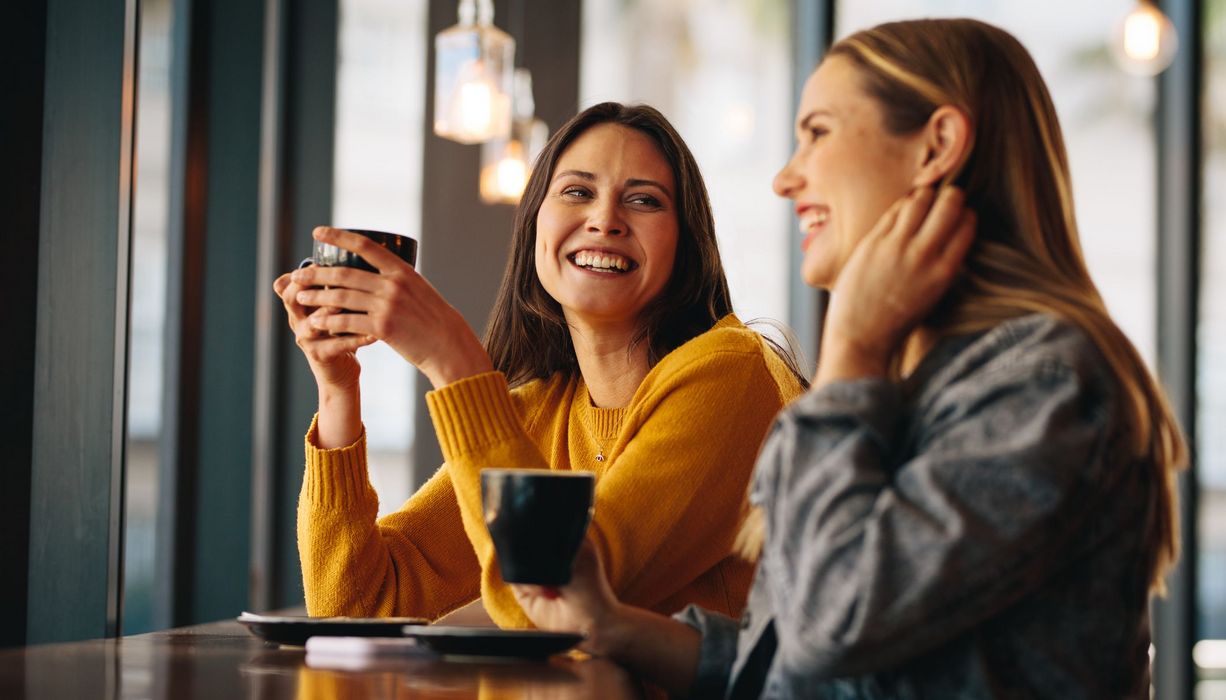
(1026, 257)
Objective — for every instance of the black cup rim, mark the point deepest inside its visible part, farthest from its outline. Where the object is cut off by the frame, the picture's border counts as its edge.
(365, 231)
(402, 244)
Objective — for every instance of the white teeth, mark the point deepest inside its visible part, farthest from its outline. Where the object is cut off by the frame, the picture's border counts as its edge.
(813, 218)
(601, 261)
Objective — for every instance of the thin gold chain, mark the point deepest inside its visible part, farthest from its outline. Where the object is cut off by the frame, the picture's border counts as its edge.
(585, 418)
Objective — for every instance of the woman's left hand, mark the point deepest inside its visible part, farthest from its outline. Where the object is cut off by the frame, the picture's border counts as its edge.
(586, 605)
(396, 305)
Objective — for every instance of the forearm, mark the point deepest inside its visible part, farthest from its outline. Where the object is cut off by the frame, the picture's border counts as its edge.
(340, 416)
(658, 648)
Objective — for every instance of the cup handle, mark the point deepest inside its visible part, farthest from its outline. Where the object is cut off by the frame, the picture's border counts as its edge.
(306, 262)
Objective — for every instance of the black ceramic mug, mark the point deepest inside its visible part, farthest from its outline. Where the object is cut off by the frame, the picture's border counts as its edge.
(328, 255)
(537, 519)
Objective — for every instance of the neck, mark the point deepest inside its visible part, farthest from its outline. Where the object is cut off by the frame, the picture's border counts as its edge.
(611, 370)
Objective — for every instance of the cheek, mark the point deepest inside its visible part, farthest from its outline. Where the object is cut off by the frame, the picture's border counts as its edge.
(664, 253)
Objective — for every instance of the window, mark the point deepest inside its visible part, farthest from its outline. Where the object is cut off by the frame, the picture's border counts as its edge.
(379, 111)
(721, 72)
(148, 315)
(1210, 653)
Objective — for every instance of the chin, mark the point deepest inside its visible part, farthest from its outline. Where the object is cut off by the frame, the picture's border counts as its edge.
(817, 276)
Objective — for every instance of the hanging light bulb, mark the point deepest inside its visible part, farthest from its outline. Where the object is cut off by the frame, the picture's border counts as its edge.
(506, 163)
(1145, 41)
(473, 76)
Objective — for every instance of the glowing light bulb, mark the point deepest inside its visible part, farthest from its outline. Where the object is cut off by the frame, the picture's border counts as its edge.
(1145, 42)
(512, 176)
(475, 107)
(506, 164)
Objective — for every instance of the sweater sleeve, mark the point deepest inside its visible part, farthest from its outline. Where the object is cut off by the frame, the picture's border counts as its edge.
(873, 562)
(416, 562)
(669, 502)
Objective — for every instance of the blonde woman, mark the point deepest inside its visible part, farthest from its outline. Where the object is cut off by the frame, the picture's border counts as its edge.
(975, 499)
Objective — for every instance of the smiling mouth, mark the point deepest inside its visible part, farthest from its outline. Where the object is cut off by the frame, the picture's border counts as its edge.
(604, 262)
(814, 218)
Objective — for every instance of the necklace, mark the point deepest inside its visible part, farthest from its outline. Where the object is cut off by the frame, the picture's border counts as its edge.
(586, 418)
(587, 423)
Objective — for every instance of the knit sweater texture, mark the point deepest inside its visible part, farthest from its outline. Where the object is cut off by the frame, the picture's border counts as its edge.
(670, 493)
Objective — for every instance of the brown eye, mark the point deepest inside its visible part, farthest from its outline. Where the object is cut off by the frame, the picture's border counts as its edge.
(646, 201)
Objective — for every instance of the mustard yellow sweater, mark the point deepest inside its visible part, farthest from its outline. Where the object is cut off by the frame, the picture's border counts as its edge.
(669, 495)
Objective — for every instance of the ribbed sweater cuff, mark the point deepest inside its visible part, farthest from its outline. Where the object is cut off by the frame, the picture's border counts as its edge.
(473, 413)
(335, 478)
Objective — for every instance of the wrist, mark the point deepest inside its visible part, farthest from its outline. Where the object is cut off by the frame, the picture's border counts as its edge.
(845, 360)
(612, 633)
(340, 417)
(457, 366)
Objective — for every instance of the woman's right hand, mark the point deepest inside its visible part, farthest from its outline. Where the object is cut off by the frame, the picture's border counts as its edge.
(333, 359)
(586, 605)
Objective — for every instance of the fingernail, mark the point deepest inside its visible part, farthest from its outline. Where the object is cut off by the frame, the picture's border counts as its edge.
(300, 297)
(551, 593)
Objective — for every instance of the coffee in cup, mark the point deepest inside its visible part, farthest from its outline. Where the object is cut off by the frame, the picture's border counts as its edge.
(537, 519)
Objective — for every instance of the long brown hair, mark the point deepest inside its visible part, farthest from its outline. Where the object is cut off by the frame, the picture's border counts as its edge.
(1026, 257)
(527, 337)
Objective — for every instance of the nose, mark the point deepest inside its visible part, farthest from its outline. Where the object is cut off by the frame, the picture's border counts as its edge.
(789, 180)
(605, 218)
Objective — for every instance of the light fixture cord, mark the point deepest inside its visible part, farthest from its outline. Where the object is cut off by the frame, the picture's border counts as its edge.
(517, 29)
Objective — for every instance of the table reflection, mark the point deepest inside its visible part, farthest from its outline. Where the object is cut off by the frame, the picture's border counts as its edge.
(223, 660)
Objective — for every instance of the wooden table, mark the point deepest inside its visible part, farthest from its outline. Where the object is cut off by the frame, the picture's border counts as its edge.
(222, 660)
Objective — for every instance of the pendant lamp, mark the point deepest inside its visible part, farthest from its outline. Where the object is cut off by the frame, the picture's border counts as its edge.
(473, 78)
(507, 162)
(1145, 41)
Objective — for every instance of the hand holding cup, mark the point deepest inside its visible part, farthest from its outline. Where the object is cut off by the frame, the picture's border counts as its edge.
(391, 302)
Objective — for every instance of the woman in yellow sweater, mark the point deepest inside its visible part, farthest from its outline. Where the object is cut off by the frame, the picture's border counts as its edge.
(611, 349)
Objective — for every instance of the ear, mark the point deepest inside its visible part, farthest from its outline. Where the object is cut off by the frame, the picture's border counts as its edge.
(946, 142)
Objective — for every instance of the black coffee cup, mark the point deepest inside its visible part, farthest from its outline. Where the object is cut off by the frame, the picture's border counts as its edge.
(328, 255)
(537, 519)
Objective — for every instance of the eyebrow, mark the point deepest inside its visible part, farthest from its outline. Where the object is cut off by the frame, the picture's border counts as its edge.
(804, 121)
(632, 182)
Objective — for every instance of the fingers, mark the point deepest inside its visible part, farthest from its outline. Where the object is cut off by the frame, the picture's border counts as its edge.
(328, 320)
(955, 250)
(288, 290)
(941, 222)
(886, 223)
(912, 212)
(379, 257)
(348, 277)
(337, 298)
(323, 348)
(527, 591)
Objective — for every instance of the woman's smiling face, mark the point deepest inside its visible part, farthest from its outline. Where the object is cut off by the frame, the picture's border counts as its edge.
(606, 232)
(847, 168)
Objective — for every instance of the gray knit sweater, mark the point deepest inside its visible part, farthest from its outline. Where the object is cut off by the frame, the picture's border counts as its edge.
(972, 532)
